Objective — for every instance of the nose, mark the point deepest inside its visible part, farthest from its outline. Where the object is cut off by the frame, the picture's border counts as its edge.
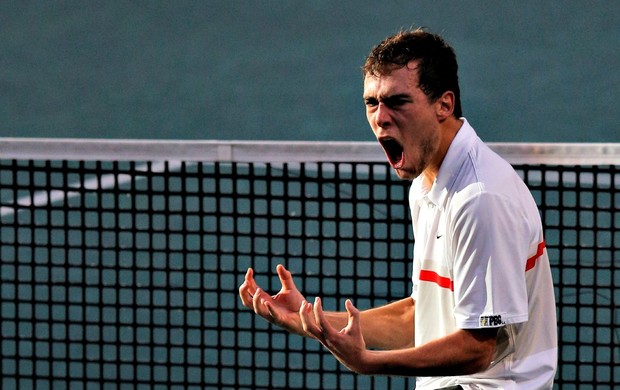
(383, 118)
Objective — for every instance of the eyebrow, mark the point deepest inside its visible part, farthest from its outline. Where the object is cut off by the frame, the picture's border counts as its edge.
(390, 98)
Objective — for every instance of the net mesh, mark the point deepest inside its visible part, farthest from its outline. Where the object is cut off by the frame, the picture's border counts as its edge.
(126, 273)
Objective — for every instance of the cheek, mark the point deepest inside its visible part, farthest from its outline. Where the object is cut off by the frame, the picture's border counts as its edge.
(371, 123)
(421, 140)
(370, 114)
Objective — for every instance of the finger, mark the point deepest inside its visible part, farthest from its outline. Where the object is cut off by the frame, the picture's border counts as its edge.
(307, 320)
(353, 324)
(303, 316)
(326, 328)
(248, 289)
(318, 313)
(244, 294)
(244, 291)
(351, 309)
(273, 311)
(258, 304)
(250, 282)
(285, 277)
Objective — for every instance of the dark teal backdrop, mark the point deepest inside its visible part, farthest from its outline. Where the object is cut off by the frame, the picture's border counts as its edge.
(530, 70)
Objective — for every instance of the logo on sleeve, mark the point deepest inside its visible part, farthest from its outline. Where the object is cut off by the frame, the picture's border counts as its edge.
(491, 321)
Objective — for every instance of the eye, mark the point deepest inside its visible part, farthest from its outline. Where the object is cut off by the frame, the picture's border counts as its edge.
(396, 101)
(371, 102)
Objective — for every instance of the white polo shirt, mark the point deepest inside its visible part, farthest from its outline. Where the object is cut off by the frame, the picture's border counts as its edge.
(480, 261)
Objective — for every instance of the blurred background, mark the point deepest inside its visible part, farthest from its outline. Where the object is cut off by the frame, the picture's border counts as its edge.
(530, 71)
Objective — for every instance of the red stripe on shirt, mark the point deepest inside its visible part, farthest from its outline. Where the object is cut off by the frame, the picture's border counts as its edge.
(432, 276)
(531, 262)
(444, 282)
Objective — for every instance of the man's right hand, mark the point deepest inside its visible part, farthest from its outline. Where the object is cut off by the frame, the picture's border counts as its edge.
(281, 309)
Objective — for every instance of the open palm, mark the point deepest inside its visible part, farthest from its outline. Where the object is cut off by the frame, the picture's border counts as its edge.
(281, 309)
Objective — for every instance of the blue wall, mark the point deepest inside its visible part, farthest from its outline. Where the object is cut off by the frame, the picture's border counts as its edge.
(530, 70)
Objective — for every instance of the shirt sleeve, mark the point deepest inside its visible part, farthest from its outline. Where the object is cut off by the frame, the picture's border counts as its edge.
(489, 244)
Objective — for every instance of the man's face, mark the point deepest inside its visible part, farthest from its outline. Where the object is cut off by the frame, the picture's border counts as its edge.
(403, 120)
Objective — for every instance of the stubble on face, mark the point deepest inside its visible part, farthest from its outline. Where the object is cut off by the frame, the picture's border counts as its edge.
(412, 124)
(427, 149)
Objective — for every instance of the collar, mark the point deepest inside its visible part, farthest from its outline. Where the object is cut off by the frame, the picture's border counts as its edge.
(452, 162)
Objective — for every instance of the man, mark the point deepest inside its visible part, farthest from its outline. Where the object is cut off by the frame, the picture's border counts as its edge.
(482, 311)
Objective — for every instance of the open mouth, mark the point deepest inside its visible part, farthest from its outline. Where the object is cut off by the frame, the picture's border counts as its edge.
(393, 151)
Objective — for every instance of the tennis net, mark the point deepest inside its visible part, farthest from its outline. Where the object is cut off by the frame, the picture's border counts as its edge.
(120, 261)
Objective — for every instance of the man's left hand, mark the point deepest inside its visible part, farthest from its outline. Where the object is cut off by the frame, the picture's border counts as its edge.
(347, 345)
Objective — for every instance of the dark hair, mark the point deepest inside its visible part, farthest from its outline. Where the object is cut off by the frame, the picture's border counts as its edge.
(437, 68)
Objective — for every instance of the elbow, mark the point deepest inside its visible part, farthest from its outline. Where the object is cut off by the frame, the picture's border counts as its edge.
(481, 359)
(479, 364)
(481, 352)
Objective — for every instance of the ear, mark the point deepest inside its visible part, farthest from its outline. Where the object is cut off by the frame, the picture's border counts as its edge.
(445, 106)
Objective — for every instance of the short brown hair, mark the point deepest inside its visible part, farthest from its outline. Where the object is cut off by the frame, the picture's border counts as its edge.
(437, 68)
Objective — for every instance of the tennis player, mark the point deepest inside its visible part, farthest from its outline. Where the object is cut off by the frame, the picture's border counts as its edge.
(482, 310)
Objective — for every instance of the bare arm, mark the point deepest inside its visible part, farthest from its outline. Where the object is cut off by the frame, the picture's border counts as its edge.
(459, 353)
(389, 327)
(466, 351)
(385, 327)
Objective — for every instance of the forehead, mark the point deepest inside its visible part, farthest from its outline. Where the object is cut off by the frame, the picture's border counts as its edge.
(400, 80)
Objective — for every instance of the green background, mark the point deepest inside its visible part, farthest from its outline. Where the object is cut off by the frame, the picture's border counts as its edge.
(530, 71)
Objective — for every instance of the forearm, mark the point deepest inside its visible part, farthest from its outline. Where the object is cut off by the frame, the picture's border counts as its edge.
(460, 353)
(386, 327)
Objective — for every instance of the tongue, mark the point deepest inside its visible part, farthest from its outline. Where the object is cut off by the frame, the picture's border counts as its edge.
(399, 161)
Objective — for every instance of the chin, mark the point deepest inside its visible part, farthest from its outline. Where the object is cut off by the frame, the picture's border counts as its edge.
(405, 175)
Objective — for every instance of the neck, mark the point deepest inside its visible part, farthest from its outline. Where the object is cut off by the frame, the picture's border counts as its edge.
(447, 131)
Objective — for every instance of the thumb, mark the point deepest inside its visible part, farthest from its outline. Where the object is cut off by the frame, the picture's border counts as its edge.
(354, 315)
(285, 278)
(351, 309)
